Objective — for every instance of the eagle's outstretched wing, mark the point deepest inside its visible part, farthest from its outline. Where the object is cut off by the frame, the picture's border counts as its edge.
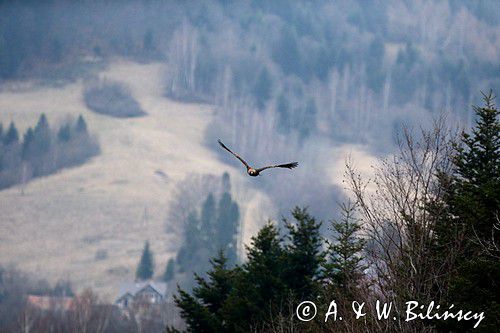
(235, 155)
(288, 166)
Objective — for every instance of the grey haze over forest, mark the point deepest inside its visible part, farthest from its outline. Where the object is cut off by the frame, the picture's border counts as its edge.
(287, 80)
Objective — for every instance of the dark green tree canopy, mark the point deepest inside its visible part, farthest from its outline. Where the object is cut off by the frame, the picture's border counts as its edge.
(343, 267)
(473, 204)
(81, 125)
(12, 135)
(169, 273)
(145, 269)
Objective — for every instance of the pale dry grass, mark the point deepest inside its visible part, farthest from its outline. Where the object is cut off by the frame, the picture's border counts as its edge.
(116, 201)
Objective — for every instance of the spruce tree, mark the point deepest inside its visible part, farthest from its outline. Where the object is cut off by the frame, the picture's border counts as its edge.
(145, 269)
(12, 135)
(42, 135)
(203, 310)
(208, 224)
(28, 139)
(64, 133)
(304, 253)
(193, 242)
(228, 217)
(473, 202)
(259, 290)
(169, 271)
(213, 230)
(476, 182)
(81, 125)
(343, 268)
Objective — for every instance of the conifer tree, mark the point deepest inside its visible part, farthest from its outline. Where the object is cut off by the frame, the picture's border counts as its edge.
(259, 289)
(473, 203)
(169, 271)
(42, 135)
(12, 135)
(208, 222)
(64, 133)
(202, 310)
(145, 269)
(228, 216)
(343, 267)
(186, 257)
(28, 139)
(81, 125)
(304, 253)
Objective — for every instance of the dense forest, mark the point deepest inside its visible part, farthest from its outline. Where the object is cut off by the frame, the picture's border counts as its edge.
(42, 150)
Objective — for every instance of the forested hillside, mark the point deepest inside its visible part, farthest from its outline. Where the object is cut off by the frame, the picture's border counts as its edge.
(111, 175)
(286, 77)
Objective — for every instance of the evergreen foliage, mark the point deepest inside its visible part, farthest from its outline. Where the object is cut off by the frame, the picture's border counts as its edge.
(169, 273)
(278, 271)
(12, 135)
(213, 229)
(473, 203)
(145, 269)
(43, 151)
(343, 267)
(81, 125)
(304, 254)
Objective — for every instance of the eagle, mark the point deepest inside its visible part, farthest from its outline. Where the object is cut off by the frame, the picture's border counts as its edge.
(255, 172)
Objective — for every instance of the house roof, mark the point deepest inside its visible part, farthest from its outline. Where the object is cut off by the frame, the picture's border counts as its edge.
(135, 287)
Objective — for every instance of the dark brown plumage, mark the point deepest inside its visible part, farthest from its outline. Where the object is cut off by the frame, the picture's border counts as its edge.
(255, 172)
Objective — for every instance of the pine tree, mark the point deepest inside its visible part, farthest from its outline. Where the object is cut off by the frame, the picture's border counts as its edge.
(304, 253)
(169, 271)
(145, 269)
(226, 182)
(476, 183)
(215, 229)
(42, 135)
(64, 133)
(81, 125)
(266, 264)
(259, 290)
(12, 135)
(28, 139)
(248, 297)
(208, 223)
(473, 203)
(193, 242)
(228, 216)
(202, 310)
(343, 268)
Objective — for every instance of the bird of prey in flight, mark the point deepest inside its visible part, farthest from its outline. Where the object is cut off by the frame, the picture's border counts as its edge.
(255, 172)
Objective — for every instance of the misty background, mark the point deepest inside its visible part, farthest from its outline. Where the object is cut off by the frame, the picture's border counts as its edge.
(159, 82)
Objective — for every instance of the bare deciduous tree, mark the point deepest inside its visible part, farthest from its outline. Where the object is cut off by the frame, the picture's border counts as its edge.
(399, 222)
